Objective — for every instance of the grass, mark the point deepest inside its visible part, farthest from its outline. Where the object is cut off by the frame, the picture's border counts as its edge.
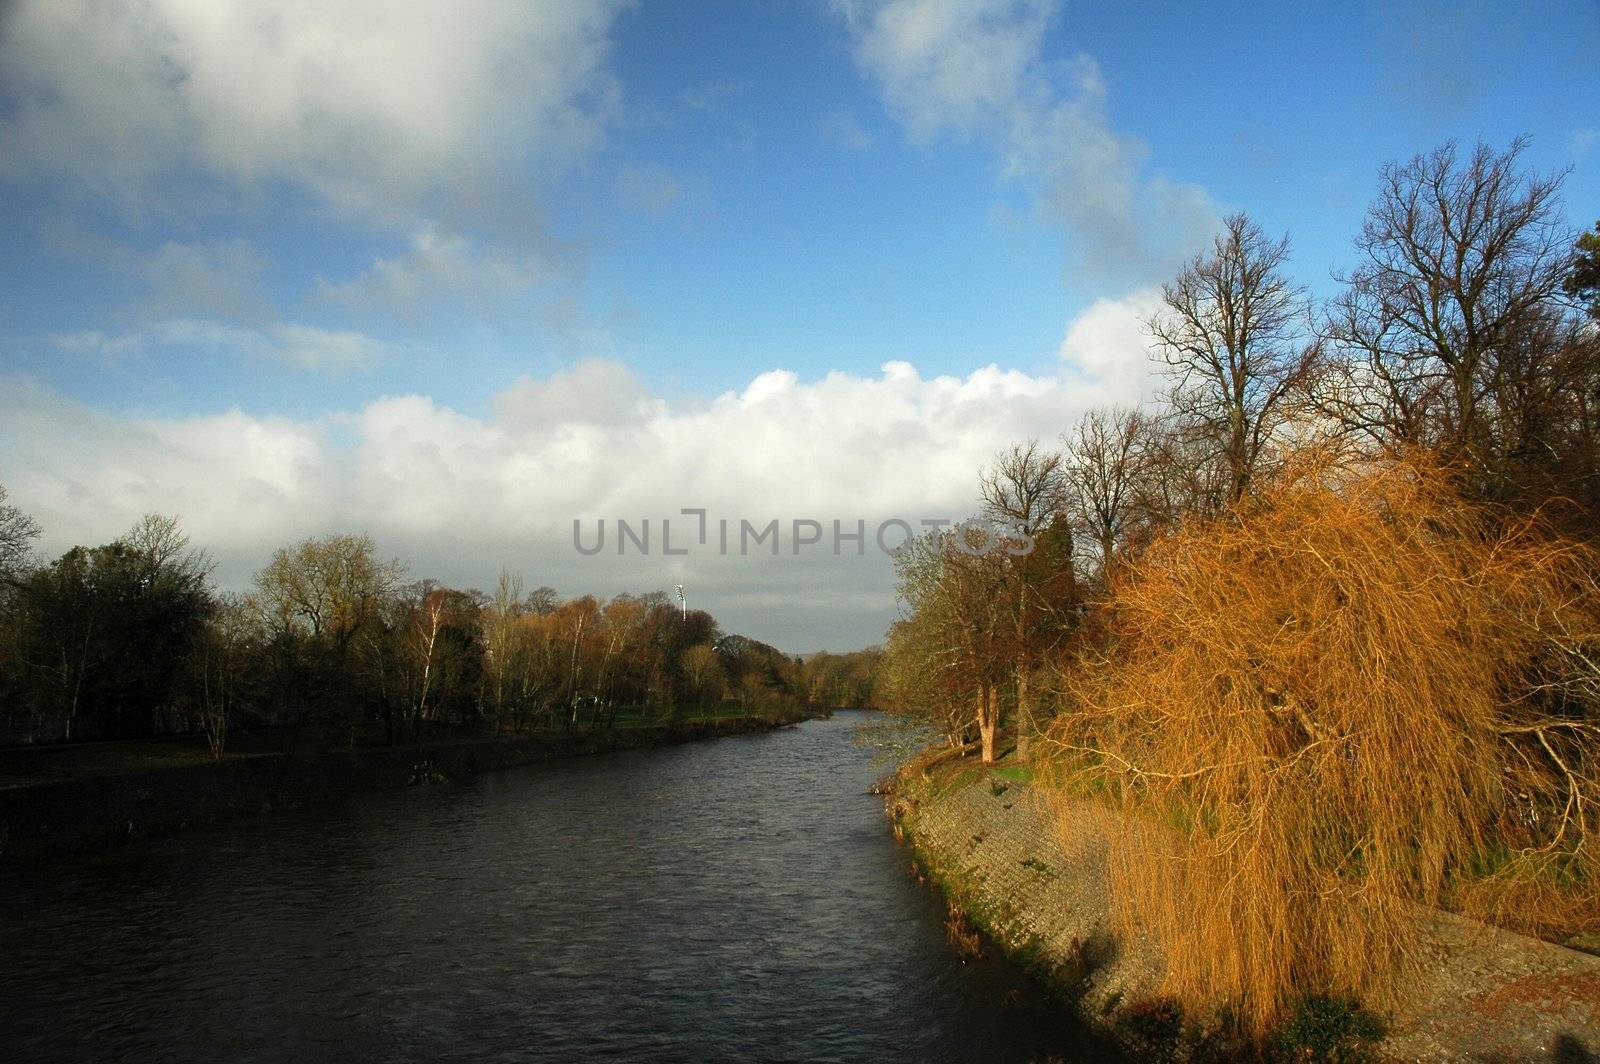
(1014, 773)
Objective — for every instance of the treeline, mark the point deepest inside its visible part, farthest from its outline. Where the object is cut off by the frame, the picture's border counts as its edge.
(1321, 624)
(132, 640)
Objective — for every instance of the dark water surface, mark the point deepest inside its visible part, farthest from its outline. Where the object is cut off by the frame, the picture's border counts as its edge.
(738, 899)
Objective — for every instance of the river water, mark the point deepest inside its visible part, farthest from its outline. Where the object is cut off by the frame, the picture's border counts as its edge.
(737, 899)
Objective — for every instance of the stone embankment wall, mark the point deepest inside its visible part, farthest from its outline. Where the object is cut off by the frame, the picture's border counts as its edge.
(1486, 995)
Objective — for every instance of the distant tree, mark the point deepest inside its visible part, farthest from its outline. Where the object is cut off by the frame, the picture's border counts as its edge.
(575, 624)
(703, 671)
(331, 587)
(536, 669)
(317, 598)
(919, 677)
(1232, 330)
(757, 673)
(438, 656)
(542, 600)
(107, 631)
(500, 643)
(63, 630)
(17, 533)
(222, 666)
(842, 681)
(958, 603)
(668, 633)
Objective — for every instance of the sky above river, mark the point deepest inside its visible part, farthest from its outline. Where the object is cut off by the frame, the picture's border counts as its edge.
(460, 274)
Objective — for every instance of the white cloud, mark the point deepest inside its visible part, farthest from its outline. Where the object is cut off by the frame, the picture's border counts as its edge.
(977, 69)
(592, 391)
(437, 267)
(460, 495)
(375, 108)
(220, 279)
(102, 348)
(307, 347)
(944, 66)
(243, 484)
(1108, 343)
(315, 348)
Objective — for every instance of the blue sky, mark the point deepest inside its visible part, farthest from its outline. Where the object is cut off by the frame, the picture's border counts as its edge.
(459, 274)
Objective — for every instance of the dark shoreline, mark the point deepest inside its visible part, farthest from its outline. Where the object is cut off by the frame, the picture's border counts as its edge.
(46, 821)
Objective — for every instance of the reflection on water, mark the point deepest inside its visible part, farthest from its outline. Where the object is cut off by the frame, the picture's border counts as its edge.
(730, 900)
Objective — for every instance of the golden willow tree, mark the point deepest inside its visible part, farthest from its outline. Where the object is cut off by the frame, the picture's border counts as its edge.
(1355, 694)
(1347, 662)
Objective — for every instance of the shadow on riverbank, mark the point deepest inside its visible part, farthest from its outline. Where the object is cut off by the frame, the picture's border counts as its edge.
(79, 800)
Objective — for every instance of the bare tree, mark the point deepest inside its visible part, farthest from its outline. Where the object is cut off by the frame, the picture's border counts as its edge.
(425, 605)
(499, 639)
(543, 600)
(160, 540)
(17, 533)
(1023, 488)
(703, 671)
(332, 587)
(1104, 458)
(219, 667)
(1232, 331)
(1460, 261)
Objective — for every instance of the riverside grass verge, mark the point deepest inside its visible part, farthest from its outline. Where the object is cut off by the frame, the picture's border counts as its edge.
(988, 840)
(63, 814)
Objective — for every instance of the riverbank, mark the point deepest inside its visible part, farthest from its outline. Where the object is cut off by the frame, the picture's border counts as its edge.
(48, 818)
(985, 836)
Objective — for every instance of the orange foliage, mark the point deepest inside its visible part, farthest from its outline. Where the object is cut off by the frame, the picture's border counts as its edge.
(1355, 694)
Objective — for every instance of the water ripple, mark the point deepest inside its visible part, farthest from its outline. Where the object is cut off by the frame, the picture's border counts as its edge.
(733, 900)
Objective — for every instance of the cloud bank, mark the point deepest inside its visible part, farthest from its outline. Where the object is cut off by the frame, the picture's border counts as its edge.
(460, 496)
(380, 111)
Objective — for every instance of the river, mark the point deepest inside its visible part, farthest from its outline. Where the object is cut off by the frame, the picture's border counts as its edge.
(738, 899)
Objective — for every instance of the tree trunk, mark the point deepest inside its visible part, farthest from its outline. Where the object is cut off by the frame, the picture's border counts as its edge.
(988, 720)
(1024, 717)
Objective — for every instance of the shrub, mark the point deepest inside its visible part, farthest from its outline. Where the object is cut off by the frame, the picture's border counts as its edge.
(1328, 1028)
